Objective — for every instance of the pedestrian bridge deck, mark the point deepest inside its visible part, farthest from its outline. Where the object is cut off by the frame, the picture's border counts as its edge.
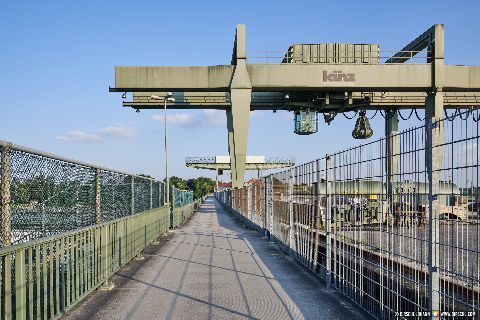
(213, 268)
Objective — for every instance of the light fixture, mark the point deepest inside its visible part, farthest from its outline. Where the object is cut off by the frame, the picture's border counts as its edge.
(383, 95)
(287, 96)
(124, 95)
(137, 110)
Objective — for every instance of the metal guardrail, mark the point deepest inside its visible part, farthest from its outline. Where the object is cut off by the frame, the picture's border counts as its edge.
(392, 230)
(44, 194)
(67, 226)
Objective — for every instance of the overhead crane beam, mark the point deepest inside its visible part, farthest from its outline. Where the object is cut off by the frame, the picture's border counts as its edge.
(432, 84)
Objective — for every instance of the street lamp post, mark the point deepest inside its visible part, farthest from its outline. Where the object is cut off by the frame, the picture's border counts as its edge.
(168, 98)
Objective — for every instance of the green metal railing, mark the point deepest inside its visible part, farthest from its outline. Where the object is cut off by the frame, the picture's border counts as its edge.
(67, 226)
(41, 279)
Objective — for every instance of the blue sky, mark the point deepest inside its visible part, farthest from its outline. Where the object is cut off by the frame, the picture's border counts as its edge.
(57, 61)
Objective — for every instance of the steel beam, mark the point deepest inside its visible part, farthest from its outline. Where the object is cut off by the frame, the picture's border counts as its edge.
(411, 49)
(295, 77)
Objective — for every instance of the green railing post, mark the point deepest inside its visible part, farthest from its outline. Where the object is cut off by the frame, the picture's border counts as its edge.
(106, 261)
(7, 286)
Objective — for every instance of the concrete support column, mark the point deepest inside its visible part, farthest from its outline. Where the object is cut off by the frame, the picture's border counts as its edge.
(391, 157)
(237, 124)
(433, 160)
(238, 115)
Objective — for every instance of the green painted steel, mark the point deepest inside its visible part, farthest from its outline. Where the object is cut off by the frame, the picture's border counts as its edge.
(64, 268)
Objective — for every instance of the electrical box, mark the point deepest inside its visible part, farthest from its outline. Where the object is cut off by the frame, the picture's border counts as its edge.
(306, 122)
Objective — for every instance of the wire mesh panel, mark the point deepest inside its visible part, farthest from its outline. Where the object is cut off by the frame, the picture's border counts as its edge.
(183, 206)
(156, 195)
(305, 210)
(380, 243)
(258, 203)
(280, 215)
(142, 194)
(116, 194)
(44, 194)
(394, 224)
(48, 196)
(455, 225)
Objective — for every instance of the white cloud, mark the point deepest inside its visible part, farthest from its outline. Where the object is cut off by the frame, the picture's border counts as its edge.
(119, 132)
(79, 136)
(182, 119)
(214, 117)
(208, 117)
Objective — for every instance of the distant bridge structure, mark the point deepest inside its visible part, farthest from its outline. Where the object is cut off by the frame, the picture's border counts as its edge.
(222, 163)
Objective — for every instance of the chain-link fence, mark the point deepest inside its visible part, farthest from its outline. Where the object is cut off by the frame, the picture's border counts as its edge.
(43, 194)
(183, 206)
(393, 223)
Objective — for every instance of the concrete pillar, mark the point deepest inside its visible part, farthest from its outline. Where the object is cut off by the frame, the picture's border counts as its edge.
(238, 115)
(433, 159)
(391, 157)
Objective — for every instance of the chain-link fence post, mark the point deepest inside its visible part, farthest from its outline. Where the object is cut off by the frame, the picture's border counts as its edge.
(290, 212)
(270, 205)
(5, 188)
(318, 215)
(97, 196)
(328, 220)
(132, 196)
(151, 194)
(249, 203)
(172, 207)
(160, 194)
(433, 159)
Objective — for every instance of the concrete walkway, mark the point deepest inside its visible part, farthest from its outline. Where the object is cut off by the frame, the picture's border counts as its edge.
(214, 268)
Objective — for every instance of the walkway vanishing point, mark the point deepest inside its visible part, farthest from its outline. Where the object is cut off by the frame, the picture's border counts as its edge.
(213, 268)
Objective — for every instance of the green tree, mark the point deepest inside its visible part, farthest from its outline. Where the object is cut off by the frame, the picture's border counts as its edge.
(201, 186)
(178, 183)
